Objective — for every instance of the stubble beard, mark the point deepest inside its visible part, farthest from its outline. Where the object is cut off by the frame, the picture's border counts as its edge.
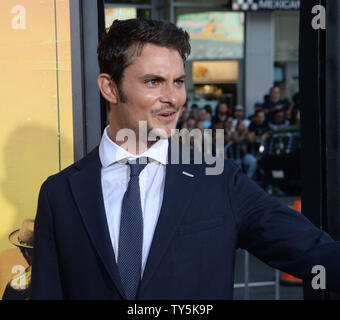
(155, 134)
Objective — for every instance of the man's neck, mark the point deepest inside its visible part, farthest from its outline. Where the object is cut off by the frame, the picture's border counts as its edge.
(134, 147)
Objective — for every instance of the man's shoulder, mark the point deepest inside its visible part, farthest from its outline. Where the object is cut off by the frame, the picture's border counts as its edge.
(202, 160)
(62, 176)
(215, 166)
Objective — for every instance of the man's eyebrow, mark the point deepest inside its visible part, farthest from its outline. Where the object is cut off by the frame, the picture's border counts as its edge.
(181, 77)
(152, 76)
(158, 77)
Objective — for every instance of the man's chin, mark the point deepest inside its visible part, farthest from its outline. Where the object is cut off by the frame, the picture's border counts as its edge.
(160, 133)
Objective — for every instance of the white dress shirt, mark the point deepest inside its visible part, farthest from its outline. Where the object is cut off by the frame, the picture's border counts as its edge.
(115, 177)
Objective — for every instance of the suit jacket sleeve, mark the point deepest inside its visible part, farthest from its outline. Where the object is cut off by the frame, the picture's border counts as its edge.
(46, 282)
(280, 236)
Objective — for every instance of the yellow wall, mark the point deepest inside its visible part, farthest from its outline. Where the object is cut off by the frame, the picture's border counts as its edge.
(36, 139)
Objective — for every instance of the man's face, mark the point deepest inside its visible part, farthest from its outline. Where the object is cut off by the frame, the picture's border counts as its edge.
(275, 94)
(223, 109)
(259, 119)
(190, 124)
(239, 114)
(185, 114)
(153, 86)
(279, 117)
(242, 127)
(202, 114)
(228, 124)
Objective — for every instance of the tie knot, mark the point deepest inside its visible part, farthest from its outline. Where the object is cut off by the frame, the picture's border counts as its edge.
(137, 168)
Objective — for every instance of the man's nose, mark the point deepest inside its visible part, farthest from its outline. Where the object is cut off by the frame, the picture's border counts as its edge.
(170, 95)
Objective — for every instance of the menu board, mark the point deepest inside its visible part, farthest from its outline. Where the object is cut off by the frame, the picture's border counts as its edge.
(214, 35)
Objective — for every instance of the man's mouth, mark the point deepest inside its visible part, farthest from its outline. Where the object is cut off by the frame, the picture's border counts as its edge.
(167, 115)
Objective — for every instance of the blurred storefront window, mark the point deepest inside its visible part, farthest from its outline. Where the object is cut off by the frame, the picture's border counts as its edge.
(287, 51)
(216, 60)
(126, 10)
(132, 2)
(112, 14)
(214, 35)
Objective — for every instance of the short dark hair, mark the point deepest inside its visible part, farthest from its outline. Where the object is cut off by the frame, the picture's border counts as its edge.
(273, 87)
(278, 111)
(258, 111)
(217, 109)
(207, 108)
(125, 38)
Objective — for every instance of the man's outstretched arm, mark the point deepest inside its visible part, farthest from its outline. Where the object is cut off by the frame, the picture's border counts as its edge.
(46, 282)
(279, 236)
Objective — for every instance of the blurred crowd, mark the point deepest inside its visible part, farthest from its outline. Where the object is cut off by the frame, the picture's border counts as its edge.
(243, 136)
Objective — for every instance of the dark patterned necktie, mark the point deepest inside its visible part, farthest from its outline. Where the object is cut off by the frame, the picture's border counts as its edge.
(131, 234)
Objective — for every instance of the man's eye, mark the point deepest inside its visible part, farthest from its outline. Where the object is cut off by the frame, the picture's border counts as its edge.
(179, 82)
(152, 82)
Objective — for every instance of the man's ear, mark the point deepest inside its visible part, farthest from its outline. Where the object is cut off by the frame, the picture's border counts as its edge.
(108, 88)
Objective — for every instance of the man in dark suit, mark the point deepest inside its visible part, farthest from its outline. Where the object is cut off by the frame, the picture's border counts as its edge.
(113, 227)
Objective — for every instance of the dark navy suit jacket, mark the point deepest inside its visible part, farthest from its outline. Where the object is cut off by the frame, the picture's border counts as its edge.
(203, 220)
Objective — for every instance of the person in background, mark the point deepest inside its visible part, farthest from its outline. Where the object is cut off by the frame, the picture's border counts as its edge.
(198, 145)
(220, 113)
(190, 123)
(295, 119)
(258, 126)
(296, 101)
(274, 102)
(194, 111)
(208, 109)
(239, 149)
(200, 125)
(257, 107)
(202, 114)
(228, 130)
(256, 132)
(279, 121)
(207, 121)
(228, 141)
(183, 118)
(240, 116)
(205, 118)
(288, 110)
(266, 98)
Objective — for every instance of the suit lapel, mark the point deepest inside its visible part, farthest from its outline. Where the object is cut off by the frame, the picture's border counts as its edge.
(178, 192)
(87, 192)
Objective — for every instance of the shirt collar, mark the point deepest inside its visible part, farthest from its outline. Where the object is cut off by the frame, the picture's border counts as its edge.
(110, 152)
